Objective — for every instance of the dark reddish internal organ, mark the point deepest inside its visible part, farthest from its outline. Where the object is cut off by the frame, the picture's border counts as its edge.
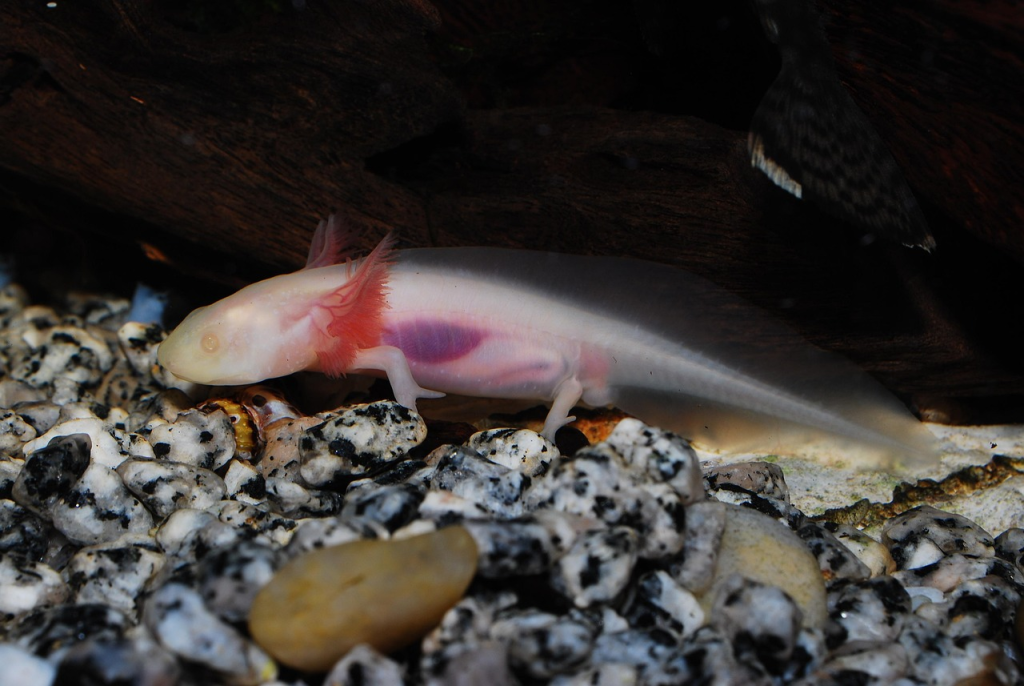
(432, 341)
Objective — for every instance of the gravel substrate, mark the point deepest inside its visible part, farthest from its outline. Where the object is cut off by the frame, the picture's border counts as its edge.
(137, 527)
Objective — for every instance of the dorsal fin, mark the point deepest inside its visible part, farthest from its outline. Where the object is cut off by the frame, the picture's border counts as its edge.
(330, 245)
(350, 318)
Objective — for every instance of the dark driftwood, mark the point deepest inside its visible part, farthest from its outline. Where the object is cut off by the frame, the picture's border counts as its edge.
(240, 141)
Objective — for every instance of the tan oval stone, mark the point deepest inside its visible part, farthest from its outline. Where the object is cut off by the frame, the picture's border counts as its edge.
(757, 547)
(383, 593)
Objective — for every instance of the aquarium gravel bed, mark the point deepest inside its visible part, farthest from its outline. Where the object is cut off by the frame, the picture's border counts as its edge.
(152, 533)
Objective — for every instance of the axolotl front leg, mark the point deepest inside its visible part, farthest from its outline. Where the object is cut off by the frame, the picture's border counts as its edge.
(392, 361)
(457, 359)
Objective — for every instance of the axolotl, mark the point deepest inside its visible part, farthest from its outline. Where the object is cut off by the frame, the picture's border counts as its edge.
(659, 343)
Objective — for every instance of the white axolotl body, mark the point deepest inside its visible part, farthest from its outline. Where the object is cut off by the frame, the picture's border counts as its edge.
(662, 344)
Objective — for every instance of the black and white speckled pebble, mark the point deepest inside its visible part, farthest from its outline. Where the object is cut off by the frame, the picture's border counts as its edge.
(660, 602)
(835, 559)
(952, 570)
(21, 668)
(139, 343)
(1009, 546)
(940, 660)
(229, 578)
(23, 534)
(356, 442)
(660, 456)
(364, 666)
(762, 622)
(312, 534)
(130, 661)
(921, 536)
(244, 483)
(51, 632)
(62, 353)
(111, 443)
(390, 506)
(51, 472)
(114, 573)
(598, 566)
(542, 645)
(519, 449)
(694, 568)
(868, 610)
(187, 535)
(99, 508)
(184, 625)
(27, 585)
(465, 473)
(760, 478)
(290, 499)
(15, 431)
(164, 486)
(525, 546)
(198, 438)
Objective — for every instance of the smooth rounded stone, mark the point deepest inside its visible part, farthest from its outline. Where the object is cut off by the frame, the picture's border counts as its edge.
(382, 593)
(835, 560)
(195, 438)
(51, 472)
(762, 622)
(494, 487)
(359, 441)
(230, 577)
(23, 534)
(869, 610)
(124, 662)
(761, 549)
(14, 431)
(390, 506)
(110, 445)
(165, 486)
(139, 343)
(661, 602)
(525, 546)
(871, 553)
(1010, 546)
(598, 566)
(99, 508)
(311, 534)
(183, 624)
(27, 585)
(660, 456)
(281, 455)
(952, 570)
(68, 353)
(293, 500)
(542, 645)
(189, 534)
(694, 568)
(921, 536)
(520, 449)
(51, 632)
(114, 573)
(19, 667)
(364, 666)
(244, 483)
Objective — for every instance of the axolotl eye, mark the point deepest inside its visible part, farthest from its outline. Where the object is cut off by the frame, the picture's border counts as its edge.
(209, 343)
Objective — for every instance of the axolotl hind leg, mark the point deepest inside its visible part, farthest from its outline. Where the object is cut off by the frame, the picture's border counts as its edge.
(567, 395)
(392, 362)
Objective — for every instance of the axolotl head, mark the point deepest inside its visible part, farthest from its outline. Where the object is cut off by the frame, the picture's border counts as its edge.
(250, 336)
